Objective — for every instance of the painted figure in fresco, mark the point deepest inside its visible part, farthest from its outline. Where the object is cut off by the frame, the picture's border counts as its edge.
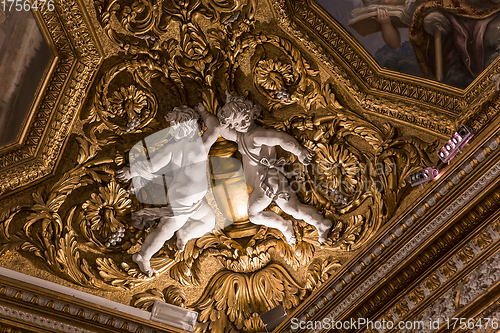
(391, 35)
(186, 158)
(263, 172)
(470, 31)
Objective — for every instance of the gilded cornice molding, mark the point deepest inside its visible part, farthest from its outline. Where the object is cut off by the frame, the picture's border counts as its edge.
(465, 278)
(35, 305)
(39, 321)
(477, 243)
(333, 288)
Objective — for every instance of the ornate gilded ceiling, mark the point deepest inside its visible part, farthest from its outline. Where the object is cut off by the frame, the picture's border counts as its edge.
(394, 252)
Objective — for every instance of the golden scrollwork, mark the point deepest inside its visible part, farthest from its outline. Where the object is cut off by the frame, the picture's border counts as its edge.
(341, 177)
(234, 300)
(357, 178)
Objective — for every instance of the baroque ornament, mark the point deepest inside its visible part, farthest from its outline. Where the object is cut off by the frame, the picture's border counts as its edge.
(356, 179)
(103, 209)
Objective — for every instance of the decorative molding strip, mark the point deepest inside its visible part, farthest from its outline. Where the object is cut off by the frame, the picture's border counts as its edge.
(419, 265)
(39, 321)
(476, 284)
(37, 298)
(81, 313)
(11, 328)
(453, 180)
(472, 290)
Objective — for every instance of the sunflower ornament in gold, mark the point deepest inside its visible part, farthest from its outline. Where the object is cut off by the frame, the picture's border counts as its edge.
(105, 209)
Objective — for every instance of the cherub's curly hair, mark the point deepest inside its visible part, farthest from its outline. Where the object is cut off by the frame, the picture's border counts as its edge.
(184, 122)
(237, 109)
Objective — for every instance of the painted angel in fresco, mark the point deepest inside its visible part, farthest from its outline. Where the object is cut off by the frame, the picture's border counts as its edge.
(390, 33)
(453, 41)
(263, 172)
(186, 162)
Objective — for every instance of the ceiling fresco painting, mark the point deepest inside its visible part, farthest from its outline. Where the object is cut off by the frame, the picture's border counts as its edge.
(230, 157)
(24, 57)
(401, 35)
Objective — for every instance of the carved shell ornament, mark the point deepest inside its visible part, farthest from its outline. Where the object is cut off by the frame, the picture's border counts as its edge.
(80, 227)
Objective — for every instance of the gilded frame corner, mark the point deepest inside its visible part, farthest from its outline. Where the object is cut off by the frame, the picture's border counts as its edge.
(76, 57)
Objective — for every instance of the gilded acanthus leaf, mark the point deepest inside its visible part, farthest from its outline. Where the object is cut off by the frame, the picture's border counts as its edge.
(483, 240)
(402, 308)
(465, 255)
(174, 295)
(232, 300)
(432, 282)
(448, 269)
(145, 300)
(126, 276)
(319, 271)
(304, 251)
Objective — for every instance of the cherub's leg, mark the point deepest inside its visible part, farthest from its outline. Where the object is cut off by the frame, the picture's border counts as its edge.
(257, 202)
(203, 222)
(155, 241)
(307, 213)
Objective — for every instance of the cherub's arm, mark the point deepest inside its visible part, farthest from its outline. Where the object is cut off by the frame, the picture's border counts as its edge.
(391, 35)
(160, 160)
(272, 137)
(213, 127)
(144, 170)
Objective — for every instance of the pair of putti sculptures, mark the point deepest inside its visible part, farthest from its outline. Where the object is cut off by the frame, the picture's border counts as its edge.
(186, 157)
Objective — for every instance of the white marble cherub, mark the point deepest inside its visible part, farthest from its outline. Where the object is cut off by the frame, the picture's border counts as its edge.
(263, 172)
(186, 158)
